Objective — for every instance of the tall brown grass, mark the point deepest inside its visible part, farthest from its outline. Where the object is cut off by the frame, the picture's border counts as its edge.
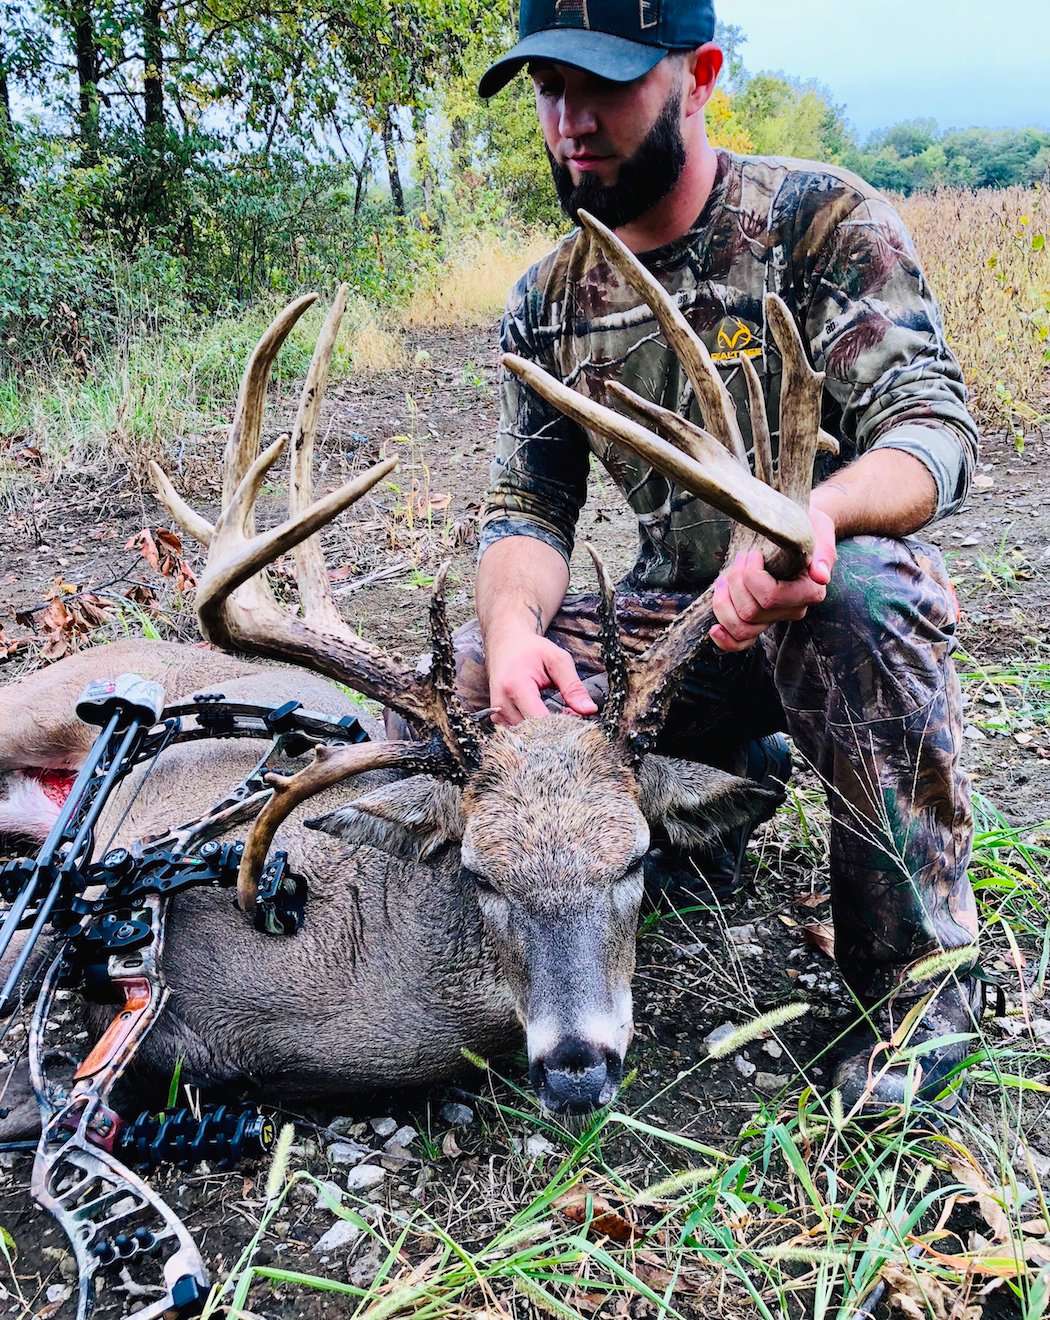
(987, 257)
(472, 287)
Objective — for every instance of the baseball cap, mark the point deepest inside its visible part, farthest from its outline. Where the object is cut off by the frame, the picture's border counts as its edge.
(616, 39)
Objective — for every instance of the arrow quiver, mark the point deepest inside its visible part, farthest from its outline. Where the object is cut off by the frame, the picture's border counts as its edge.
(107, 918)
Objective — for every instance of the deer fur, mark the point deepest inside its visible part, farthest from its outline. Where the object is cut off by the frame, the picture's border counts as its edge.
(440, 917)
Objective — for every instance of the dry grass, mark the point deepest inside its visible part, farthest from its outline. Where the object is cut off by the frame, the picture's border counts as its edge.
(987, 258)
(472, 288)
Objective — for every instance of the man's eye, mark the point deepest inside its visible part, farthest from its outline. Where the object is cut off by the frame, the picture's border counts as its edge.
(549, 89)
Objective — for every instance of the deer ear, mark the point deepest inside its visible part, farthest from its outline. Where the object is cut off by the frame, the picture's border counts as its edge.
(696, 803)
(411, 818)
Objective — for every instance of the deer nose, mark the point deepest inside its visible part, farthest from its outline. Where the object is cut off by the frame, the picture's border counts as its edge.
(576, 1077)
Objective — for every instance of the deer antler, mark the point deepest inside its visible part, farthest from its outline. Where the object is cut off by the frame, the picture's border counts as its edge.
(330, 766)
(769, 509)
(236, 606)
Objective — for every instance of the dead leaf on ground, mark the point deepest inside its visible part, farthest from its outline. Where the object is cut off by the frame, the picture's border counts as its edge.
(821, 936)
(812, 900)
(161, 548)
(9, 646)
(989, 1204)
(920, 1296)
(604, 1220)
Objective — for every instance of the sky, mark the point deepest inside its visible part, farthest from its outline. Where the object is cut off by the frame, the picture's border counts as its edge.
(963, 63)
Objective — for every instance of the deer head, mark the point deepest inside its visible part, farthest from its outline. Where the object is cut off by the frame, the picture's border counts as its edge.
(546, 823)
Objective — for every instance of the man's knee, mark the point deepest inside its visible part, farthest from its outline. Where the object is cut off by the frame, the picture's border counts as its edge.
(888, 587)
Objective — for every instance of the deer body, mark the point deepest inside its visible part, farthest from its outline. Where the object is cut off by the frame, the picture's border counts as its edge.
(476, 877)
(391, 977)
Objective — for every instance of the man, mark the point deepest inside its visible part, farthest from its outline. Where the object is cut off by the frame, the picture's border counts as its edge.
(853, 655)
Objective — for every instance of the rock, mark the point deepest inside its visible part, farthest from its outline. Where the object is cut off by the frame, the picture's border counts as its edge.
(770, 1083)
(335, 1194)
(404, 1136)
(535, 1146)
(741, 934)
(397, 1158)
(340, 1235)
(364, 1270)
(972, 731)
(808, 980)
(59, 1292)
(343, 1127)
(365, 1177)
(719, 1034)
(744, 1066)
(383, 1127)
(347, 1152)
(457, 1115)
(773, 1049)
(1041, 1028)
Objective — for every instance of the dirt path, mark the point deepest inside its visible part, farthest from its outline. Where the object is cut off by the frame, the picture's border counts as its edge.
(695, 972)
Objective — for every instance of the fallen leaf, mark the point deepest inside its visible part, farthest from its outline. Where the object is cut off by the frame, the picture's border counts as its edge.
(920, 1296)
(450, 1147)
(812, 900)
(604, 1220)
(821, 936)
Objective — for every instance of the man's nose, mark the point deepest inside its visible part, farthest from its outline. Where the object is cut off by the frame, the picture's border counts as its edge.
(577, 119)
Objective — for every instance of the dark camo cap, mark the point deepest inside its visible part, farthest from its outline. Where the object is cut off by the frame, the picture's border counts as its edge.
(615, 39)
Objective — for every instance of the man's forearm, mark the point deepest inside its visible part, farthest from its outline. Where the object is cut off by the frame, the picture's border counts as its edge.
(520, 587)
(886, 492)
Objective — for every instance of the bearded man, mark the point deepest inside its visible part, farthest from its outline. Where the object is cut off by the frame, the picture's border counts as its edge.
(852, 657)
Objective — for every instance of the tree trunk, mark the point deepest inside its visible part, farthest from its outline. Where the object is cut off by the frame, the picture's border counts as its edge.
(153, 74)
(386, 129)
(8, 170)
(82, 31)
(425, 167)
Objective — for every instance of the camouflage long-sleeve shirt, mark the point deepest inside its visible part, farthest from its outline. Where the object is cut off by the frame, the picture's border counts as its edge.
(841, 258)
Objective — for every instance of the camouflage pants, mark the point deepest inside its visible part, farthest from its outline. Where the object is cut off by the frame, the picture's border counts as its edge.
(867, 690)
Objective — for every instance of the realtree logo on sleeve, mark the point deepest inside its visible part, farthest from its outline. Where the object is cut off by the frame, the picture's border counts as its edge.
(735, 339)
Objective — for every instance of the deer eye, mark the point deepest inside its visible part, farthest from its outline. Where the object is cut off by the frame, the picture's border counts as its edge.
(478, 881)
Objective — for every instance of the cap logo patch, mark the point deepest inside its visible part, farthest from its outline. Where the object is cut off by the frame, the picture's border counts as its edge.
(735, 339)
(648, 13)
(572, 13)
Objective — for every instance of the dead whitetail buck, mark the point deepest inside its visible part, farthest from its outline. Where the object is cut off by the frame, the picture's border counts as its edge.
(484, 876)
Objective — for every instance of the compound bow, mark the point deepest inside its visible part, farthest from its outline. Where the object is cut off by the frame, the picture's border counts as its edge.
(108, 918)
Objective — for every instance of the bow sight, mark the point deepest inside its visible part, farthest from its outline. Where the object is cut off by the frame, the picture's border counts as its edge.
(107, 919)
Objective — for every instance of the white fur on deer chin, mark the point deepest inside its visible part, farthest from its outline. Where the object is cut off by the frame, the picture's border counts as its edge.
(25, 809)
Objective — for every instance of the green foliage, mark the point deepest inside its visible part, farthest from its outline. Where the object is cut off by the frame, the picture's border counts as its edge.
(916, 157)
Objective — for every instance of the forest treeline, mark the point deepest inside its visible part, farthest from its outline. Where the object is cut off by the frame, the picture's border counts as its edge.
(165, 158)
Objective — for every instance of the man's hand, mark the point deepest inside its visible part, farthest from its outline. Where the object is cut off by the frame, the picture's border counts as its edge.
(747, 599)
(522, 668)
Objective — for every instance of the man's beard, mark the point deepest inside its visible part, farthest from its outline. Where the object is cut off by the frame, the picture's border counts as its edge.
(644, 179)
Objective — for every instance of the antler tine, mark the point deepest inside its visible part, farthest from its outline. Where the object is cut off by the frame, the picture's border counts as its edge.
(716, 404)
(760, 438)
(800, 395)
(719, 479)
(457, 728)
(315, 592)
(242, 446)
(330, 766)
(616, 669)
(235, 606)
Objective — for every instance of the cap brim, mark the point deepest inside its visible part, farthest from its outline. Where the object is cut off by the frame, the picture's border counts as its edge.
(600, 53)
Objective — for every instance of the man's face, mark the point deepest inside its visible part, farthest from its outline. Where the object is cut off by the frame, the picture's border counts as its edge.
(615, 149)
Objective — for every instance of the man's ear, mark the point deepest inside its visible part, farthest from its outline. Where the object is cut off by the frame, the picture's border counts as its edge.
(412, 818)
(695, 803)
